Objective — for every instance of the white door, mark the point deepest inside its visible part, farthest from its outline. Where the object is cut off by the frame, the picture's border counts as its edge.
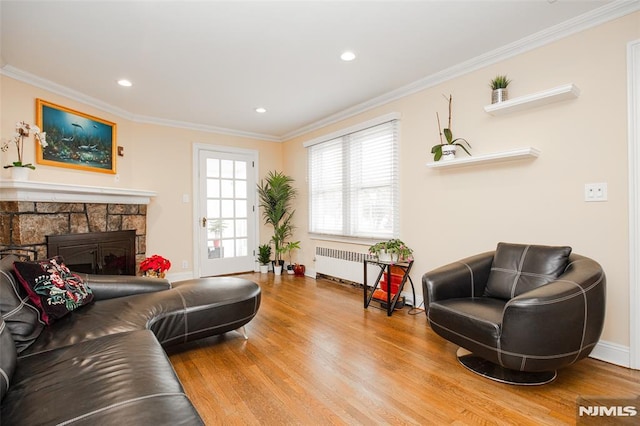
(227, 212)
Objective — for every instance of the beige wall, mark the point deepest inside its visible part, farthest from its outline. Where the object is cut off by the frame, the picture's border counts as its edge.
(157, 158)
(449, 214)
(446, 214)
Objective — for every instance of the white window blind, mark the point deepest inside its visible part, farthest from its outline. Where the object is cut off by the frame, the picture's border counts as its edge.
(353, 183)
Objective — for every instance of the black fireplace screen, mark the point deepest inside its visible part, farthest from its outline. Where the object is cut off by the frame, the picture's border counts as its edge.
(105, 253)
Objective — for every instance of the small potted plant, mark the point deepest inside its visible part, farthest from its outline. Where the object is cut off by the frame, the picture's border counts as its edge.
(446, 149)
(499, 88)
(288, 248)
(393, 250)
(264, 257)
(155, 266)
(299, 270)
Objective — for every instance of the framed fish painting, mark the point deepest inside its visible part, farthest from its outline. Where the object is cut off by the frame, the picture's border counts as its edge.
(75, 140)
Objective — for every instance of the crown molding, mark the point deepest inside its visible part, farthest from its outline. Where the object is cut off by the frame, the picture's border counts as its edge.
(58, 89)
(205, 128)
(609, 12)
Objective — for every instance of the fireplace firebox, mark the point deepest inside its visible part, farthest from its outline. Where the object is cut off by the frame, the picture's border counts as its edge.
(96, 252)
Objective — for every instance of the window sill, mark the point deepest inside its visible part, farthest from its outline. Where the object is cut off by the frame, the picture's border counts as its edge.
(349, 240)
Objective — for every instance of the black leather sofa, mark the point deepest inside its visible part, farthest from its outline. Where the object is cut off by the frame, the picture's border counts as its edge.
(104, 363)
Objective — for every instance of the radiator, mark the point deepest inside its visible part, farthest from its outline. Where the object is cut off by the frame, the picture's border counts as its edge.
(342, 264)
(348, 266)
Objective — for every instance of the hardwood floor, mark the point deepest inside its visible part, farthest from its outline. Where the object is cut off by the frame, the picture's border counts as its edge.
(315, 356)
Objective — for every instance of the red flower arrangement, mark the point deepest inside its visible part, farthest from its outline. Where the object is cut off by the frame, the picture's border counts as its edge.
(155, 266)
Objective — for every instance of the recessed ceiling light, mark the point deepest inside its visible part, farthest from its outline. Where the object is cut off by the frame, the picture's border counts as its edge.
(261, 110)
(348, 56)
(125, 83)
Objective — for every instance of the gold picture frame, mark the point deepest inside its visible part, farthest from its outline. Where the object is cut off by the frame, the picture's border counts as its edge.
(75, 140)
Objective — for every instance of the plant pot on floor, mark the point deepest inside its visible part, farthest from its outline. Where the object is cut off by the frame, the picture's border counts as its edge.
(277, 269)
(299, 270)
(264, 269)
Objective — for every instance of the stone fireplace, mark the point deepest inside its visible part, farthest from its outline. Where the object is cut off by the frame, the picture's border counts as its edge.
(31, 211)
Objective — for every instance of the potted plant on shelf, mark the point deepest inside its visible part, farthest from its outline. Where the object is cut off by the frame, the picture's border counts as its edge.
(446, 150)
(264, 257)
(393, 251)
(276, 194)
(499, 88)
(19, 170)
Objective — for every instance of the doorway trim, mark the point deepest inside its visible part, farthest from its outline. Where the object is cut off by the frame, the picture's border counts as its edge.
(197, 149)
(633, 84)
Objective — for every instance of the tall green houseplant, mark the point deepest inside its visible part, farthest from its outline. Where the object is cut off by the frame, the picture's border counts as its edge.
(276, 194)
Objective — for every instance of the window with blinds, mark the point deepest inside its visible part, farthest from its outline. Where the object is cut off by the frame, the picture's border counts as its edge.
(353, 183)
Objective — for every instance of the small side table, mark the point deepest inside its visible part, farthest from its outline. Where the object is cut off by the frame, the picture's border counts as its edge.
(385, 268)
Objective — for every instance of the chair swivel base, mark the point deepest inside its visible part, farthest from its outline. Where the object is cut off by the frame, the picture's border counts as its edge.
(500, 374)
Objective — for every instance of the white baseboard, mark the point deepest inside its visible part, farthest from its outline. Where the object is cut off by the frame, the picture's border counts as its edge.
(179, 276)
(612, 353)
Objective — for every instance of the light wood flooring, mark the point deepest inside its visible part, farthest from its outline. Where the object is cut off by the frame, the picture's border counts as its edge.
(315, 356)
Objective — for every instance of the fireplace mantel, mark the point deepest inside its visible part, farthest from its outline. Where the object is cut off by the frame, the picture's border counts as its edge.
(12, 190)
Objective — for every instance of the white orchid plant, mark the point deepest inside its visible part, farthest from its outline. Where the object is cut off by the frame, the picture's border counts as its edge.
(23, 130)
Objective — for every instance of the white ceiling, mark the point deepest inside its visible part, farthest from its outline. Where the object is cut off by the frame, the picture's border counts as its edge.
(209, 64)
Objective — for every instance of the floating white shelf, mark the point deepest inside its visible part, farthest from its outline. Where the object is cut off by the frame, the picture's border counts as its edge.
(560, 93)
(496, 157)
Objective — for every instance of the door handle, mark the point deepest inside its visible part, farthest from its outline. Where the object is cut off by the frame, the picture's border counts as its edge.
(204, 222)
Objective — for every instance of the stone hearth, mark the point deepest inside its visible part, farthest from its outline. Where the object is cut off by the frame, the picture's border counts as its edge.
(29, 211)
(25, 225)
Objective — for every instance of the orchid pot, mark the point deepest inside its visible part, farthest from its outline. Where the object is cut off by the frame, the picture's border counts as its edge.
(20, 173)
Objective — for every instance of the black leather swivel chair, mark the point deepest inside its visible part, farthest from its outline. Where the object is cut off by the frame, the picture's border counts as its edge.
(521, 311)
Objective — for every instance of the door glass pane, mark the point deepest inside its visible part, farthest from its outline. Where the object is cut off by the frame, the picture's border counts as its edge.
(227, 208)
(241, 228)
(228, 247)
(241, 170)
(227, 228)
(213, 188)
(213, 167)
(215, 249)
(226, 169)
(241, 208)
(226, 188)
(241, 247)
(213, 209)
(241, 189)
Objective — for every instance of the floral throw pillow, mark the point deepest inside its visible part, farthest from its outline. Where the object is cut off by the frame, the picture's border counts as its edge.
(52, 287)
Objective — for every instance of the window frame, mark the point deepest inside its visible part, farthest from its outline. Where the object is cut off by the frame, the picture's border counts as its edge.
(345, 134)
